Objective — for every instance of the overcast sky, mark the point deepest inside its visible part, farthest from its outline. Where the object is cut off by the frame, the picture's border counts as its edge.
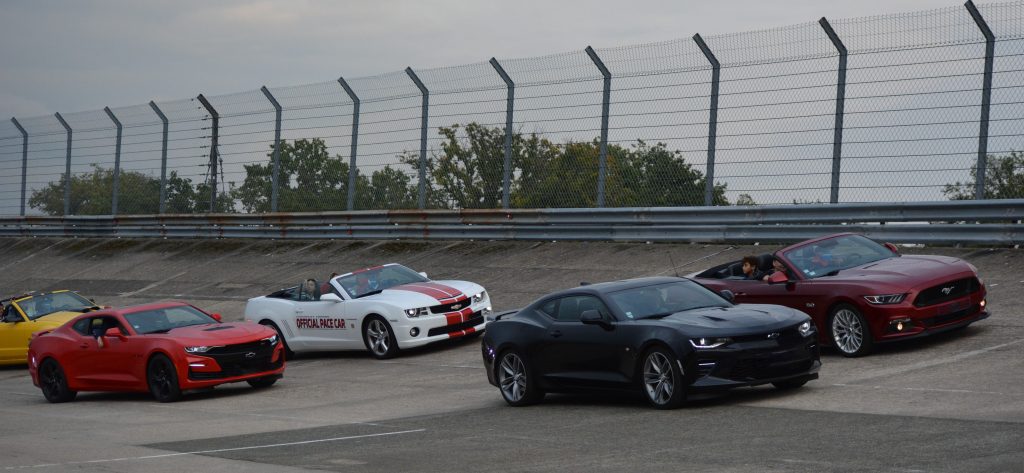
(83, 55)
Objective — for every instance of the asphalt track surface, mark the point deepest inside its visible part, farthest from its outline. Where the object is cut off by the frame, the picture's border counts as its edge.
(951, 403)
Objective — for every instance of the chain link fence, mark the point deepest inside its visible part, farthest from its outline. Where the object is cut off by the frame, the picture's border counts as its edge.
(920, 106)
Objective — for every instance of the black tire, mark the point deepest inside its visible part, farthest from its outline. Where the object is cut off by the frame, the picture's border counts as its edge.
(54, 383)
(662, 379)
(849, 331)
(788, 384)
(262, 383)
(516, 382)
(163, 379)
(288, 353)
(379, 338)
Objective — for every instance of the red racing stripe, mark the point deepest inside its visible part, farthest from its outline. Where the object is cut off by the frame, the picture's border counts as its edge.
(451, 291)
(422, 290)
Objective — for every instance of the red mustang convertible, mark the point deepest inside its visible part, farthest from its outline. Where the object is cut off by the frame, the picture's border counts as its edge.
(859, 292)
(163, 348)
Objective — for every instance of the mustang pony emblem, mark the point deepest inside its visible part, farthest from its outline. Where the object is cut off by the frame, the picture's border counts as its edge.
(947, 290)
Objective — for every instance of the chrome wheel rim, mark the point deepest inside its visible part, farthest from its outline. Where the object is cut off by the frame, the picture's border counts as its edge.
(379, 337)
(659, 382)
(847, 331)
(512, 377)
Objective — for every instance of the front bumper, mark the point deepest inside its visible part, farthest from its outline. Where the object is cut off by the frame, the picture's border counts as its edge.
(905, 321)
(419, 331)
(753, 364)
(231, 367)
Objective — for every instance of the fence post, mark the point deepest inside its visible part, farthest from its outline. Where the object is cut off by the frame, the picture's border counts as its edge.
(837, 137)
(986, 98)
(352, 171)
(423, 136)
(67, 165)
(117, 162)
(276, 172)
(506, 176)
(602, 163)
(163, 158)
(213, 150)
(24, 163)
(709, 185)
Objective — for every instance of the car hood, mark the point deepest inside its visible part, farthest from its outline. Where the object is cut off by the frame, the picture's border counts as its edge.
(425, 294)
(218, 334)
(907, 271)
(55, 319)
(743, 319)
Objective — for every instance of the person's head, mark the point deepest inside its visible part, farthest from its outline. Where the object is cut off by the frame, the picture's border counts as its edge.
(309, 286)
(749, 264)
(778, 265)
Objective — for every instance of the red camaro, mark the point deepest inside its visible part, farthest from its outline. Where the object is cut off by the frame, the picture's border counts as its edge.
(859, 292)
(162, 348)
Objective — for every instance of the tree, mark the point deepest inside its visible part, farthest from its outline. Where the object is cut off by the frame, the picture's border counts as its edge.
(92, 194)
(745, 199)
(1003, 179)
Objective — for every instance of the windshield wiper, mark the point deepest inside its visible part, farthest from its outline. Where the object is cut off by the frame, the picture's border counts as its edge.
(659, 315)
(832, 273)
(159, 331)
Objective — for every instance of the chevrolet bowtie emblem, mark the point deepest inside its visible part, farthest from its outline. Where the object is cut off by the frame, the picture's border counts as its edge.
(773, 335)
(456, 306)
(251, 354)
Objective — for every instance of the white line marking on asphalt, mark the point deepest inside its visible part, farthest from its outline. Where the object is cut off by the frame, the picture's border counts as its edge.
(934, 362)
(218, 450)
(897, 388)
(151, 286)
(21, 394)
(472, 367)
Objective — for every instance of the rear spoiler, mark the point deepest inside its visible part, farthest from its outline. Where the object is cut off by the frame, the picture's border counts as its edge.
(40, 333)
(499, 315)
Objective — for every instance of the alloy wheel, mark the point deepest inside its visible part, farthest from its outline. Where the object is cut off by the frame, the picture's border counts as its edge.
(379, 337)
(512, 377)
(52, 380)
(659, 381)
(847, 331)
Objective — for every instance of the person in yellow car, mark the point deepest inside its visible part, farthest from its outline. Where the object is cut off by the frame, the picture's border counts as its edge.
(30, 313)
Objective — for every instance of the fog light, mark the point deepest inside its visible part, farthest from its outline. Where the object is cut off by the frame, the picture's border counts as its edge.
(414, 331)
(899, 326)
(197, 365)
(982, 303)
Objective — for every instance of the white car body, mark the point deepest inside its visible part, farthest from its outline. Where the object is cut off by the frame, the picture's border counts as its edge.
(445, 310)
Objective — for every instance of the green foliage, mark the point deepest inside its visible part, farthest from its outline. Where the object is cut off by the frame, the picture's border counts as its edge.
(92, 193)
(1004, 179)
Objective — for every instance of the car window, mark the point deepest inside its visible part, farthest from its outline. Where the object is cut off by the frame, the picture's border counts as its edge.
(167, 319)
(99, 325)
(659, 300)
(570, 308)
(836, 254)
(549, 308)
(43, 304)
(374, 280)
(82, 326)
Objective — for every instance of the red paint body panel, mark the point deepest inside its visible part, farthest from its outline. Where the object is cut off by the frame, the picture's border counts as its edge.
(121, 363)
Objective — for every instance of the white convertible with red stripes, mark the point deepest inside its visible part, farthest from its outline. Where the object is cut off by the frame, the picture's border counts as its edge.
(383, 309)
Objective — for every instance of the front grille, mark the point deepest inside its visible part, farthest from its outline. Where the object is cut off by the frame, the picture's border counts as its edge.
(786, 337)
(452, 307)
(471, 322)
(756, 369)
(239, 360)
(950, 317)
(947, 291)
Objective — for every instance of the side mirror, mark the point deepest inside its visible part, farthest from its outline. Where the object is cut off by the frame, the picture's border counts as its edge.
(727, 295)
(115, 333)
(330, 297)
(12, 317)
(216, 317)
(892, 248)
(593, 317)
(777, 278)
(424, 274)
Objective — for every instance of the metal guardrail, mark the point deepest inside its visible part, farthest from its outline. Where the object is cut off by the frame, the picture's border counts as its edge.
(947, 222)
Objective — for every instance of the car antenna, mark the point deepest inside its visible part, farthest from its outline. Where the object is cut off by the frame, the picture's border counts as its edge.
(672, 261)
(584, 283)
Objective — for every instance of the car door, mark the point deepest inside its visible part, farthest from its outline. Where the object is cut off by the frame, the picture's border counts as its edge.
(321, 323)
(578, 354)
(15, 332)
(106, 363)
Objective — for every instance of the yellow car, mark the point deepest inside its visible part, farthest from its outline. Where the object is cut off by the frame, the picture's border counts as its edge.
(26, 314)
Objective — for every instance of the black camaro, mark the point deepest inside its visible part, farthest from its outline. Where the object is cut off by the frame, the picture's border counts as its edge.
(665, 336)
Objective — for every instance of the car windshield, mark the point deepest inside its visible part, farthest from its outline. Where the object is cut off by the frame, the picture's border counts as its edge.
(660, 300)
(830, 257)
(372, 281)
(43, 304)
(167, 319)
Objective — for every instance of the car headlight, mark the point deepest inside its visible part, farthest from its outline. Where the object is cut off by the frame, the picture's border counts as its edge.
(806, 328)
(479, 296)
(271, 339)
(197, 349)
(885, 299)
(707, 342)
(417, 312)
